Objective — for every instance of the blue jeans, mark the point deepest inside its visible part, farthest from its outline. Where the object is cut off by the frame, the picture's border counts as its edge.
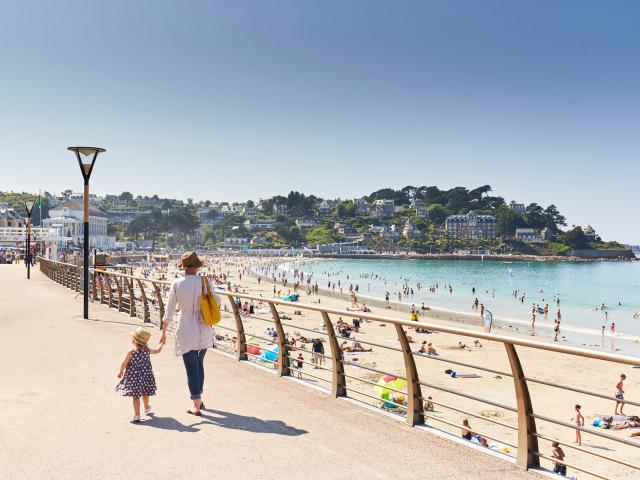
(193, 362)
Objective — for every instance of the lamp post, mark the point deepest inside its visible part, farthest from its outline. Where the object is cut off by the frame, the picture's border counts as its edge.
(28, 206)
(86, 159)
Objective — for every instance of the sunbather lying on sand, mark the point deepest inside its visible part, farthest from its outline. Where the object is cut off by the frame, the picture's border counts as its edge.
(353, 346)
(633, 422)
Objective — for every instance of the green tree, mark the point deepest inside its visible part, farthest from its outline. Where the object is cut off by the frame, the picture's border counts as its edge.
(506, 221)
(534, 216)
(574, 238)
(437, 213)
(553, 218)
(318, 235)
(346, 209)
(126, 196)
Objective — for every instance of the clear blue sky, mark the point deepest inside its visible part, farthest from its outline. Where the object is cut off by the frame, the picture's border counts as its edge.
(245, 99)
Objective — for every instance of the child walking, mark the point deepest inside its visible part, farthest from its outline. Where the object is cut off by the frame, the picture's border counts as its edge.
(136, 373)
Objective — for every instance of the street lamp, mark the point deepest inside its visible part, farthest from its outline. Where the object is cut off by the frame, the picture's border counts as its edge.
(28, 206)
(86, 159)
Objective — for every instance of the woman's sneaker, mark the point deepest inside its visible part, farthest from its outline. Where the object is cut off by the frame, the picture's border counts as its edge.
(136, 419)
(148, 410)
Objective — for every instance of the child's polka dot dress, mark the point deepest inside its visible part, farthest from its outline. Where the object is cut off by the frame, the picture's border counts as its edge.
(138, 379)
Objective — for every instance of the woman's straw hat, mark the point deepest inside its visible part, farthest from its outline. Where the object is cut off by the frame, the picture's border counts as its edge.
(140, 336)
(190, 260)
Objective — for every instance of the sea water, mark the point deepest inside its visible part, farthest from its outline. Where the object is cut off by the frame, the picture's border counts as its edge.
(583, 288)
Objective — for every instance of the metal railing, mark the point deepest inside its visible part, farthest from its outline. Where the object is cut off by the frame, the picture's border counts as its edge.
(522, 426)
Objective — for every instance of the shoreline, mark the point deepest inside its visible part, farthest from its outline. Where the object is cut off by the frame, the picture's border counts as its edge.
(583, 336)
(476, 257)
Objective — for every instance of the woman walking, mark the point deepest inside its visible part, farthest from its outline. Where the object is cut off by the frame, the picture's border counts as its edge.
(192, 337)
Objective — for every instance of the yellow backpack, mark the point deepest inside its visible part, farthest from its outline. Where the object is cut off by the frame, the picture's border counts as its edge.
(208, 304)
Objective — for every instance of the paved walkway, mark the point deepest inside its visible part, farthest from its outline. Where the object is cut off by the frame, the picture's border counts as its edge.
(60, 417)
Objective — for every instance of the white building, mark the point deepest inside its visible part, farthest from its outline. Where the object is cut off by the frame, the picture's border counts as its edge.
(410, 231)
(384, 208)
(527, 235)
(259, 223)
(307, 222)
(324, 208)
(67, 220)
(471, 226)
(9, 218)
(589, 232)
(518, 208)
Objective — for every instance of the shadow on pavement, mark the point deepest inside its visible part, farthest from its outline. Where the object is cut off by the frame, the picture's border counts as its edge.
(226, 420)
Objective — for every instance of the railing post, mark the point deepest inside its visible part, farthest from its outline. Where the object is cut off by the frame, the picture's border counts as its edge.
(339, 382)
(156, 288)
(415, 409)
(101, 280)
(145, 303)
(119, 287)
(283, 366)
(241, 350)
(77, 277)
(132, 297)
(108, 279)
(527, 441)
(94, 286)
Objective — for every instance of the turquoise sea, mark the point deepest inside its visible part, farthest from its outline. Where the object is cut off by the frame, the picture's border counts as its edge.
(581, 287)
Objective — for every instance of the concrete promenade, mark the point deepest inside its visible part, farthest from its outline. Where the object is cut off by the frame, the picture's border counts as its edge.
(61, 419)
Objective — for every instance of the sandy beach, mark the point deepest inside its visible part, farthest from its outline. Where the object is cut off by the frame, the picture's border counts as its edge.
(580, 373)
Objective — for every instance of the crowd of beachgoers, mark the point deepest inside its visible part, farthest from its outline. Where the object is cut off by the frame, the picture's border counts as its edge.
(266, 278)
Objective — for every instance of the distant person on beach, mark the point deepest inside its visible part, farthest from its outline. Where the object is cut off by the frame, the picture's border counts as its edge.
(620, 394)
(579, 421)
(558, 454)
(192, 337)
(137, 380)
(465, 431)
(317, 352)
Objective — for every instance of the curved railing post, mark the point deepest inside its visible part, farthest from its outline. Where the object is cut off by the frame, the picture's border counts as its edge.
(94, 286)
(132, 296)
(109, 290)
(241, 349)
(156, 289)
(339, 382)
(283, 366)
(120, 293)
(145, 303)
(527, 440)
(415, 409)
(101, 280)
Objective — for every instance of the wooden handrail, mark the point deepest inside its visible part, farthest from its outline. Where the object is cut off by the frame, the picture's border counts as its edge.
(528, 453)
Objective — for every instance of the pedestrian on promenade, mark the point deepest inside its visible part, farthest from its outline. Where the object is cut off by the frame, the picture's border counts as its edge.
(136, 374)
(192, 336)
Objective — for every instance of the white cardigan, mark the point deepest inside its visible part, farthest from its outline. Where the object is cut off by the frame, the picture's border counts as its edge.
(191, 332)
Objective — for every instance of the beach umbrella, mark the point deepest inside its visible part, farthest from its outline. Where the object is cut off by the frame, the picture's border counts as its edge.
(385, 383)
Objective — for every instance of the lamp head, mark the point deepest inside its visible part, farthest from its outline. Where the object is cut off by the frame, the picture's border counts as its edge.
(86, 159)
(28, 205)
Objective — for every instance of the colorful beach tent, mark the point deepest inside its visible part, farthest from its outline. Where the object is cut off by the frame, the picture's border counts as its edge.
(270, 353)
(385, 383)
(252, 346)
(293, 297)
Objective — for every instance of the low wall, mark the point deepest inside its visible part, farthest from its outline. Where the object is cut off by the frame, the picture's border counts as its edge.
(595, 253)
